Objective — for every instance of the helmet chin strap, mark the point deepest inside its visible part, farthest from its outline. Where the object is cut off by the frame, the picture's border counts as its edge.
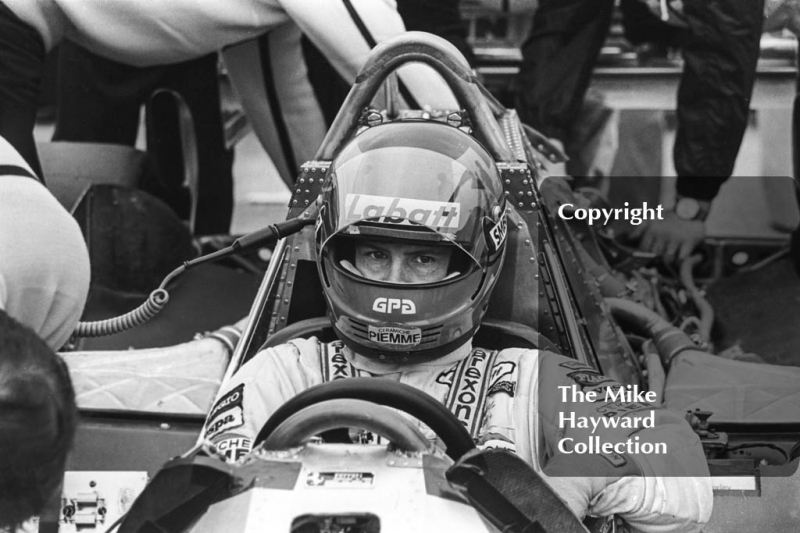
(376, 361)
(376, 366)
(347, 265)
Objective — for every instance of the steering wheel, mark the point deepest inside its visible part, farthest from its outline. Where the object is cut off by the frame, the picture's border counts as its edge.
(352, 402)
(334, 414)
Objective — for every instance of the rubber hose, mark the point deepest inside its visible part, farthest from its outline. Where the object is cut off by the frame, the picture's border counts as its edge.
(669, 340)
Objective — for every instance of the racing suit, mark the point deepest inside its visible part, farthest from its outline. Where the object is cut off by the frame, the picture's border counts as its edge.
(519, 385)
(153, 32)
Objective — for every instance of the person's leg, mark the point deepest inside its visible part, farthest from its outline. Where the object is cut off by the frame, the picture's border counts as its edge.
(272, 79)
(442, 18)
(557, 62)
(99, 99)
(197, 82)
(21, 62)
(330, 89)
(720, 55)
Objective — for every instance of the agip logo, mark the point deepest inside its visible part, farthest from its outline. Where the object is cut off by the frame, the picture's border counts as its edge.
(390, 306)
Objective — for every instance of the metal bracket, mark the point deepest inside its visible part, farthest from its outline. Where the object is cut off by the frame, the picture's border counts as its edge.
(518, 185)
(307, 186)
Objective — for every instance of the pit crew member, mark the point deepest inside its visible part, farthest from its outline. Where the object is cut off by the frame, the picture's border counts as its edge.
(44, 262)
(153, 32)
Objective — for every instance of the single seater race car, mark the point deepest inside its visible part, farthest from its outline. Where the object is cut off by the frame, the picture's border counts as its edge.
(566, 286)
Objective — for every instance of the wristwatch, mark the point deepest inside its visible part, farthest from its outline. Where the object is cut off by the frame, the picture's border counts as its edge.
(687, 208)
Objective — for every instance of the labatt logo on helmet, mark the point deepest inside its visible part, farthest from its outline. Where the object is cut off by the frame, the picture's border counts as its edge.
(387, 209)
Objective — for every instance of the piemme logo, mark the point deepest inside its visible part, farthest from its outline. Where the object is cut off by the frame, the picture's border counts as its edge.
(395, 336)
(394, 305)
(387, 209)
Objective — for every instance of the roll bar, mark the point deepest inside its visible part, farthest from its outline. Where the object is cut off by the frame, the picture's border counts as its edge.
(445, 59)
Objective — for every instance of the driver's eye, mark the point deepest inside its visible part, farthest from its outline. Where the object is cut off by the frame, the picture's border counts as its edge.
(374, 258)
(376, 255)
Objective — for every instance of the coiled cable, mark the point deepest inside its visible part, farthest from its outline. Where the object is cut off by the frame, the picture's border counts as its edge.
(159, 297)
(111, 326)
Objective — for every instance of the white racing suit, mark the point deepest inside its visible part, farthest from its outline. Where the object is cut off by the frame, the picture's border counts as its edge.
(505, 399)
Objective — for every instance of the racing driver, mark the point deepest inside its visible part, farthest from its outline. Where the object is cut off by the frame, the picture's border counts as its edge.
(410, 241)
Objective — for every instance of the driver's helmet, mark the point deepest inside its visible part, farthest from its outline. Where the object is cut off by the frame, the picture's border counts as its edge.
(414, 184)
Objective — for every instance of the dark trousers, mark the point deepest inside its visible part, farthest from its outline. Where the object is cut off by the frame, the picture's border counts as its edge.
(21, 63)
(557, 62)
(720, 54)
(99, 101)
(720, 49)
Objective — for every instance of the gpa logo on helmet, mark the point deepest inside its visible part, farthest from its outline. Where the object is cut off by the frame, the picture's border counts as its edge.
(387, 209)
(393, 336)
(394, 305)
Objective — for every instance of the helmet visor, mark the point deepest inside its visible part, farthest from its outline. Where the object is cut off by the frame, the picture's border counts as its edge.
(399, 189)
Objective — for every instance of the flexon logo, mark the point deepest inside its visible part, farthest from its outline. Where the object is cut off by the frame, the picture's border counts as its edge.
(395, 336)
(439, 215)
(394, 305)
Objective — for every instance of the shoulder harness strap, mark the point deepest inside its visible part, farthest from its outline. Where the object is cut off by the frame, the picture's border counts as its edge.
(334, 364)
(467, 396)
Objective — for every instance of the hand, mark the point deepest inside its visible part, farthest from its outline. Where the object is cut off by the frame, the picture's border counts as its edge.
(596, 473)
(672, 238)
(572, 491)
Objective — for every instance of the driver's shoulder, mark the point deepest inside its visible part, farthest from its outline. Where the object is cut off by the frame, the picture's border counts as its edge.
(520, 356)
(513, 364)
(532, 362)
(292, 356)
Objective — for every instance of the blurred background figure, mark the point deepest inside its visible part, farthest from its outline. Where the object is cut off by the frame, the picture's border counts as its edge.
(44, 263)
(779, 15)
(558, 58)
(38, 418)
(442, 18)
(719, 42)
(99, 101)
(145, 34)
